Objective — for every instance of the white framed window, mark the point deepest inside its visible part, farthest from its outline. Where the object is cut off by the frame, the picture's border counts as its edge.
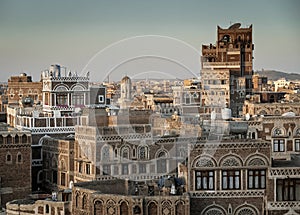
(257, 179)
(297, 145)
(101, 99)
(204, 180)
(278, 145)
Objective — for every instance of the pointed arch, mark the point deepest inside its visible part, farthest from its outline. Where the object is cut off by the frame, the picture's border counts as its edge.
(162, 153)
(77, 200)
(125, 152)
(161, 161)
(54, 162)
(8, 157)
(19, 157)
(98, 207)
(179, 208)
(143, 152)
(106, 152)
(84, 201)
(124, 210)
(152, 208)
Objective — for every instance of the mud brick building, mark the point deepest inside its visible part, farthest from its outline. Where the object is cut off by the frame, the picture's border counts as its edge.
(22, 86)
(229, 177)
(15, 168)
(233, 51)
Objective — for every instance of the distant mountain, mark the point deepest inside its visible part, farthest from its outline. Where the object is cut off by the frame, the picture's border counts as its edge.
(275, 75)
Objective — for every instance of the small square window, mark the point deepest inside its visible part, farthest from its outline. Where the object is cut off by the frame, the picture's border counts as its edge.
(101, 99)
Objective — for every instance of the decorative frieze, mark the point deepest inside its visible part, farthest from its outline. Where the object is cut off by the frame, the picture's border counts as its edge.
(283, 172)
(287, 205)
(228, 194)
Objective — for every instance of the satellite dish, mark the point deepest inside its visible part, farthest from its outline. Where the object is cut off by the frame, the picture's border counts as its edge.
(235, 26)
(247, 117)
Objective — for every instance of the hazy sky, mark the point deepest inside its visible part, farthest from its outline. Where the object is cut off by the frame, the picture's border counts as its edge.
(35, 34)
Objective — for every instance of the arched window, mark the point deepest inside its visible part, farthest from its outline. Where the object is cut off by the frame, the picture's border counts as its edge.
(9, 139)
(125, 153)
(105, 153)
(24, 138)
(231, 177)
(162, 162)
(19, 158)
(17, 140)
(77, 200)
(8, 157)
(180, 209)
(40, 176)
(152, 208)
(143, 152)
(98, 208)
(54, 163)
(123, 209)
(84, 202)
(47, 209)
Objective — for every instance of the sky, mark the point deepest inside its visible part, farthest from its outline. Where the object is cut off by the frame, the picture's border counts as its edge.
(35, 34)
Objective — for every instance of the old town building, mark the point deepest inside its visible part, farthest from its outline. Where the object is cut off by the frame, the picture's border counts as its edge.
(63, 95)
(58, 203)
(21, 87)
(270, 109)
(229, 177)
(232, 54)
(283, 133)
(117, 197)
(15, 168)
(58, 165)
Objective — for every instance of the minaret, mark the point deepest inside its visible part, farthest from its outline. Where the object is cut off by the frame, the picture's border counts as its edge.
(125, 99)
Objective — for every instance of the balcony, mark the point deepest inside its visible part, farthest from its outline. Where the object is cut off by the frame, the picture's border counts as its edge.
(45, 125)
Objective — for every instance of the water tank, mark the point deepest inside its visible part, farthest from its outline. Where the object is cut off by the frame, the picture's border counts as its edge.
(289, 114)
(226, 113)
